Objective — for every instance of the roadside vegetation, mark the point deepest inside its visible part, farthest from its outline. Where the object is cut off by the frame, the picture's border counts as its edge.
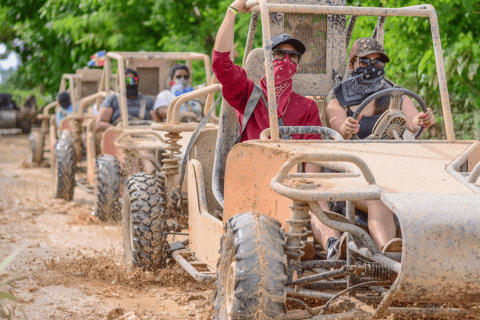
(8, 302)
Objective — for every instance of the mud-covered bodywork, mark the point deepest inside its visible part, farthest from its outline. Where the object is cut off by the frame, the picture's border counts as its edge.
(432, 187)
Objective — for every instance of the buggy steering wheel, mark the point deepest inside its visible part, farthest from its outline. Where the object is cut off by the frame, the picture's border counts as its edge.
(392, 123)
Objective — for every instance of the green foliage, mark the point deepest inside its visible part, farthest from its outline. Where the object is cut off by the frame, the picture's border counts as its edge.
(58, 36)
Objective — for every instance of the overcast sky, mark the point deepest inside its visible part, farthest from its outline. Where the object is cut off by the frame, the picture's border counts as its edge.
(11, 61)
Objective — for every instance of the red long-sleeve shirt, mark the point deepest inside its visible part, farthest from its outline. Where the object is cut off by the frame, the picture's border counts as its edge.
(237, 88)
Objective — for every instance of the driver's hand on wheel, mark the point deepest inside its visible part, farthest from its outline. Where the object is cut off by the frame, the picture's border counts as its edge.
(351, 126)
(425, 119)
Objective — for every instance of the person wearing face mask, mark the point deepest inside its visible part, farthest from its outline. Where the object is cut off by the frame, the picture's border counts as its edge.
(367, 60)
(139, 107)
(292, 108)
(179, 76)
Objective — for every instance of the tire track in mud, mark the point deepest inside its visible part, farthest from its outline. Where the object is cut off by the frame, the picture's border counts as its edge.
(76, 261)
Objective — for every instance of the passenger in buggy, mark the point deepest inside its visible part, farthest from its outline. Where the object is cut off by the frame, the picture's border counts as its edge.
(239, 91)
(367, 60)
(140, 107)
(179, 83)
(66, 107)
(247, 97)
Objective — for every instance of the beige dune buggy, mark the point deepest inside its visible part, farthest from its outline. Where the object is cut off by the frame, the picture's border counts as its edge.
(128, 146)
(79, 85)
(248, 207)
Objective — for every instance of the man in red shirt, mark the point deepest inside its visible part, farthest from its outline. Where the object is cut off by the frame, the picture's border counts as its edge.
(292, 108)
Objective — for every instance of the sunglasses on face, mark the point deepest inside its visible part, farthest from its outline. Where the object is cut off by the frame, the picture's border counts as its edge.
(131, 80)
(280, 54)
(366, 62)
(180, 77)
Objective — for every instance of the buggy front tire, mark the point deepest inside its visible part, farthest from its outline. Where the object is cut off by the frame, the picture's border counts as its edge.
(37, 143)
(63, 168)
(144, 222)
(251, 271)
(107, 188)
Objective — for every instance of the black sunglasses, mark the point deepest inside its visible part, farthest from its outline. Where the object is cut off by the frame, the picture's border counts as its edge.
(280, 54)
(184, 77)
(366, 62)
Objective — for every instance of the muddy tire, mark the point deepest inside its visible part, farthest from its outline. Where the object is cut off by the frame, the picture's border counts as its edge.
(144, 222)
(37, 143)
(63, 167)
(107, 188)
(25, 124)
(251, 272)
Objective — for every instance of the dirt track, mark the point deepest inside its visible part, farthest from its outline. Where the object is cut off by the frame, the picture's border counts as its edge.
(77, 263)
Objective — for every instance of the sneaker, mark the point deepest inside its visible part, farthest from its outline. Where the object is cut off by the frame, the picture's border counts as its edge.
(333, 248)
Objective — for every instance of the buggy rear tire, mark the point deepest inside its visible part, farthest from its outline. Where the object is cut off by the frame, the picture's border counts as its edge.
(107, 188)
(37, 143)
(144, 222)
(251, 271)
(63, 167)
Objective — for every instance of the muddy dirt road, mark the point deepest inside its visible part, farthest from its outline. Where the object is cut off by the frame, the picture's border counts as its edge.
(76, 263)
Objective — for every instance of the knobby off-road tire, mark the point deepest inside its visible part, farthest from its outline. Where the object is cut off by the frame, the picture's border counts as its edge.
(37, 143)
(63, 167)
(251, 272)
(144, 221)
(107, 188)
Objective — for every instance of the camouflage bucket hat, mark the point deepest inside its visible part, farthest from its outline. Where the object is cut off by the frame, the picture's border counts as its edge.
(365, 46)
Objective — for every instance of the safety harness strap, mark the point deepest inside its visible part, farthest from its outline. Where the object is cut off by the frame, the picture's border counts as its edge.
(250, 108)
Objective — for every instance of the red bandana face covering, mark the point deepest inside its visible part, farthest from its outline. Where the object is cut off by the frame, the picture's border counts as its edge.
(283, 71)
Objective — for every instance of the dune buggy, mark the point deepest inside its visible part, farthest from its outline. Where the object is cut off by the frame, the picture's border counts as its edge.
(125, 148)
(248, 206)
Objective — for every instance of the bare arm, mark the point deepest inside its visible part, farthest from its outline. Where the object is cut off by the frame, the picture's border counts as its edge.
(223, 41)
(103, 119)
(337, 120)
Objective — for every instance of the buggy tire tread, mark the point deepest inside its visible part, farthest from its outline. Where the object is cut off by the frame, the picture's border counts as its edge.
(65, 169)
(107, 188)
(144, 218)
(256, 243)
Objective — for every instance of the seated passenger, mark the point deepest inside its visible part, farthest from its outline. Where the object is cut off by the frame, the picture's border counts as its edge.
(293, 109)
(139, 107)
(179, 75)
(367, 58)
(66, 107)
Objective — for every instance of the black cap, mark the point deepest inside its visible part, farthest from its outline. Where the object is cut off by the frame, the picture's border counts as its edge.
(286, 38)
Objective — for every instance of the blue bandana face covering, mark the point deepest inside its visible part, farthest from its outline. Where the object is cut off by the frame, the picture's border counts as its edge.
(181, 87)
(364, 82)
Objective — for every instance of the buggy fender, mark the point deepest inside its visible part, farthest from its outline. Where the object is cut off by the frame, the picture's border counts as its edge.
(441, 247)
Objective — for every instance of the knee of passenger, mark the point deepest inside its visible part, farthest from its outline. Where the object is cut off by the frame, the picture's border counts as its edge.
(162, 113)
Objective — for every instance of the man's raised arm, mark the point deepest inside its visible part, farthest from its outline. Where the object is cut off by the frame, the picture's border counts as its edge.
(223, 41)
